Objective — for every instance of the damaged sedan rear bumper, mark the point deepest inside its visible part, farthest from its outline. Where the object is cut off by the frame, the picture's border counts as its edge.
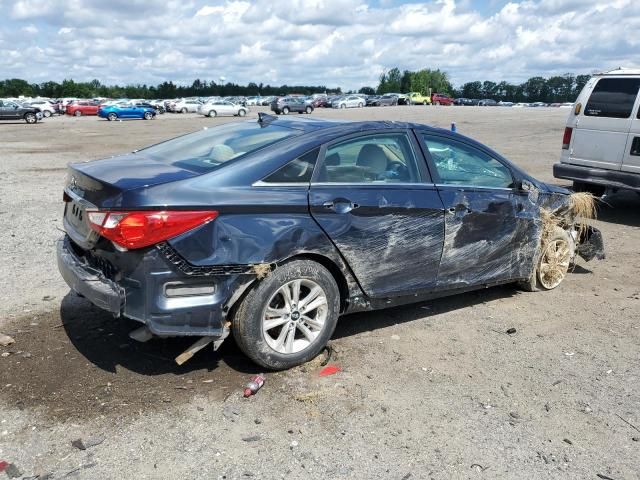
(154, 293)
(87, 281)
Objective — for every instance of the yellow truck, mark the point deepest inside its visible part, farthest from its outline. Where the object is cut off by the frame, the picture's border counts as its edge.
(416, 98)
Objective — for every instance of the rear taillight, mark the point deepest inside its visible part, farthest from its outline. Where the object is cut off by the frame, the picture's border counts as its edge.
(566, 139)
(143, 228)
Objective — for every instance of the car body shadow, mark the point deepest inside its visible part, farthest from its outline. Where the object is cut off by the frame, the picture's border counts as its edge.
(357, 323)
(104, 341)
(620, 208)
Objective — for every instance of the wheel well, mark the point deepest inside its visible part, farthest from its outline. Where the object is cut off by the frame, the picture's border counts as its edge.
(335, 271)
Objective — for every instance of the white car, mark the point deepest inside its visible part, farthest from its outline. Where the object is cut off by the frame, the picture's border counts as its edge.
(187, 105)
(222, 107)
(45, 107)
(350, 101)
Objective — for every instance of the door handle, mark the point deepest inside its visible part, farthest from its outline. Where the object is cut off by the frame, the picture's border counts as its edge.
(340, 205)
(460, 208)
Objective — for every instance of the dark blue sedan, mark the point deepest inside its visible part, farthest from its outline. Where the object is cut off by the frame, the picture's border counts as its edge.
(272, 229)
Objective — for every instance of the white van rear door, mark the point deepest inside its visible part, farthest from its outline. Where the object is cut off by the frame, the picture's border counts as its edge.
(601, 131)
(631, 159)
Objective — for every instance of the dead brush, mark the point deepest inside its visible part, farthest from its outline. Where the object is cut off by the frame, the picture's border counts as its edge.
(583, 208)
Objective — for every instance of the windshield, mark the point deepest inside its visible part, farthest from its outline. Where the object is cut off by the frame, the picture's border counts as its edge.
(208, 149)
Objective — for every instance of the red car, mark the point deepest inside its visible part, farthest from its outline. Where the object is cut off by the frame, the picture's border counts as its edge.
(83, 107)
(439, 99)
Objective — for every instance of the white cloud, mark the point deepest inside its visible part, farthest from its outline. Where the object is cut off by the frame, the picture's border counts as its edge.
(330, 42)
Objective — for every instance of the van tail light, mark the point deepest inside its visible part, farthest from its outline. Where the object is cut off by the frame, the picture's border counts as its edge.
(140, 229)
(566, 139)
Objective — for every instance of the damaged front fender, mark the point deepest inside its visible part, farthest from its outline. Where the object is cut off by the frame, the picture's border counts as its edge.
(591, 244)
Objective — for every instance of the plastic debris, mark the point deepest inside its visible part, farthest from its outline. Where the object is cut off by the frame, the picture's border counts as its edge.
(254, 385)
(511, 331)
(329, 370)
(12, 471)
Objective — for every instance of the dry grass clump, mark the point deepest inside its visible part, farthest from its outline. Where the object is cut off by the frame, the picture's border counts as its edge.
(583, 205)
(262, 270)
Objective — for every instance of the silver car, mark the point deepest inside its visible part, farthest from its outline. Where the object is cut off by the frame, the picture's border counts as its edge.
(349, 101)
(222, 107)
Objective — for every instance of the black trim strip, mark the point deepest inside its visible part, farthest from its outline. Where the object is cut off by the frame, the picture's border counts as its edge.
(187, 268)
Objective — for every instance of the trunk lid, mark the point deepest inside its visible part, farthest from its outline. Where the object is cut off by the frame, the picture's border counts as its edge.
(101, 184)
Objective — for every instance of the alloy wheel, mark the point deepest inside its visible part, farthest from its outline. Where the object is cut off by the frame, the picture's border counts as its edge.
(295, 316)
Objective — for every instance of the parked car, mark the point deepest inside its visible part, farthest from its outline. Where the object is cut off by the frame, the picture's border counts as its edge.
(505, 104)
(387, 100)
(119, 112)
(186, 106)
(601, 142)
(463, 101)
(538, 104)
(222, 107)
(416, 98)
(10, 110)
(285, 105)
(487, 102)
(349, 101)
(321, 102)
(440, 99)
(83, 107)
(272, 229)
(44, 106)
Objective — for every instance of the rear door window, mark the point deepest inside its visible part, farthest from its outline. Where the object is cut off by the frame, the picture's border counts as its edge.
(613, 98)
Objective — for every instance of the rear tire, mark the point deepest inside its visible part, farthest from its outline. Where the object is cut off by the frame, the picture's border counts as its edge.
(552, 265)
(30, 118)
(596, 190)
(242, 112)
(148, 115)
(46, 114)
(184, 110)
(304, 332)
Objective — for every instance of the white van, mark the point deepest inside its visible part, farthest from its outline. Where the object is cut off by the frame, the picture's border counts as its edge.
(601, 143)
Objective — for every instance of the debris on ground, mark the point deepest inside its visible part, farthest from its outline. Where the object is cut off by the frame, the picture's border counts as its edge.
(93, 441)
(252, 438)
(603, 477)
(6, 340)
(567, 441)
(3, 465)
(193, 349)
(11, 470)
(230, 413)
(395, 337)
(255, 384)
(329, 370)
(511, 331)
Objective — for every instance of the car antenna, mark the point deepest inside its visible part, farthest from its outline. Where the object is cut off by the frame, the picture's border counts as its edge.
(265, 119)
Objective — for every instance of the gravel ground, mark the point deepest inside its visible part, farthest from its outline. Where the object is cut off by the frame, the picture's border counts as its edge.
(436, 390)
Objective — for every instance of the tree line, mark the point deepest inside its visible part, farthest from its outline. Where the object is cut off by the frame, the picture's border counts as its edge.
(562, 88)
(199, 88)
(559, 88)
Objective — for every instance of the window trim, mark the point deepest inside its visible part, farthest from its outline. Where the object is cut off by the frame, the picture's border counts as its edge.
(436, 175)
(262, 183)
(423, 173)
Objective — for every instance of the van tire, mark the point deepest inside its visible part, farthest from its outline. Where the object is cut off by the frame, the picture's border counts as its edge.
(596, 190)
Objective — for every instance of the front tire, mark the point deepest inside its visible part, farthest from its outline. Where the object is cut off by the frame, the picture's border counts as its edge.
(308, 110)
(46, 114)
(285, 111)
(77, 113)
(148, 115)
(184, 110)
(288, 318)
(552, 265)
(112, 117)
(212, 113)
(242, 112)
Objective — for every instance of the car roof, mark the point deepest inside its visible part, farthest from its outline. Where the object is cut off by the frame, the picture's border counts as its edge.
(306, 124)
(620, 71)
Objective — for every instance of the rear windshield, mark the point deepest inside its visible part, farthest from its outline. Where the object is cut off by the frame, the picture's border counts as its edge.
(208, 149)
(613, 97)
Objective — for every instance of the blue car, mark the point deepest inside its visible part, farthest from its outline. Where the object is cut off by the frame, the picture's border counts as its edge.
(115, 112)
(271, 230)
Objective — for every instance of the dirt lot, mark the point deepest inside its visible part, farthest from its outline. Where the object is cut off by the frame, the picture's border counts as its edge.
(434, 390)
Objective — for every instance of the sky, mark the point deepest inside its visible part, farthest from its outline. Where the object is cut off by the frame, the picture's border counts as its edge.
(345, 43)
